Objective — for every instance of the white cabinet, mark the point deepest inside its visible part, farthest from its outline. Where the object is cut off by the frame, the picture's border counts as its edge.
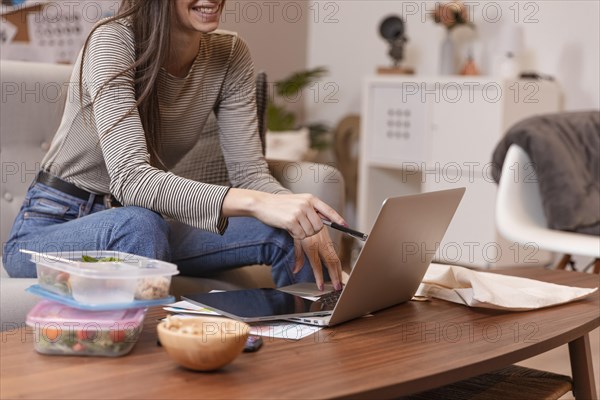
(421, 134)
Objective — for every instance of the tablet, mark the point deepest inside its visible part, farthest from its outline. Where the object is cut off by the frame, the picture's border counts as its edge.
(251, 305)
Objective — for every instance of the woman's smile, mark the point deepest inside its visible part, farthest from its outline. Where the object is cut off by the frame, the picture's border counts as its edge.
(207, 11)
(207, 8)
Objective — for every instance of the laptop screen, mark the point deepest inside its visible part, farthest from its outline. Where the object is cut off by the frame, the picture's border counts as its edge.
(257, 303)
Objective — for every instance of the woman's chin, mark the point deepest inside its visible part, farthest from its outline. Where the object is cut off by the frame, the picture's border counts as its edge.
(205, 27)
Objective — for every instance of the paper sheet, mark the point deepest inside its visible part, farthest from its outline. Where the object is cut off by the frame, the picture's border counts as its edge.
(185, 307)
(488, 290)
(283, 330)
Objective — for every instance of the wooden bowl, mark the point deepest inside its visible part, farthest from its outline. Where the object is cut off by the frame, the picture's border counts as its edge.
(203, 343)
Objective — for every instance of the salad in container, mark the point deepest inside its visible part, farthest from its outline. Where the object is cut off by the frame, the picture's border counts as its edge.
(63, 330)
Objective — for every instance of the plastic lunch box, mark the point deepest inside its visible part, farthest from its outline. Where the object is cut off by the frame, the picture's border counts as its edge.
(59, 329)
(115, 278)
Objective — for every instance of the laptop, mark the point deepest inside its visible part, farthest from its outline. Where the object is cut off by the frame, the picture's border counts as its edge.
(406, 234)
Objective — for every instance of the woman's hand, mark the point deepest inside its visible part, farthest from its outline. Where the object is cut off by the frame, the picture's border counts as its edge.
(299, 214)
(319, 249)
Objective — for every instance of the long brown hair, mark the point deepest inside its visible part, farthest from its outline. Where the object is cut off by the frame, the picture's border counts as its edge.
(151, 25)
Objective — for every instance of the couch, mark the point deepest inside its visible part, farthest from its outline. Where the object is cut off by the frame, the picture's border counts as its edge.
(33, 97)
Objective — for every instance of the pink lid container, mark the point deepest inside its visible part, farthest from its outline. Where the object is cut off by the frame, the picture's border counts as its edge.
(60, 329)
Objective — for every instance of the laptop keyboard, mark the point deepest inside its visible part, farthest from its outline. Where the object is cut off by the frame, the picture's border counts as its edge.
(331, 298)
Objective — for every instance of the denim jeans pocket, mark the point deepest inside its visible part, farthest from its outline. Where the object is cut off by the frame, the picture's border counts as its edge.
(48, 208)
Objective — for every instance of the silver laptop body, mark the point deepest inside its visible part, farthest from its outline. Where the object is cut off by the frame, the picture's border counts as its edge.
(406, 234)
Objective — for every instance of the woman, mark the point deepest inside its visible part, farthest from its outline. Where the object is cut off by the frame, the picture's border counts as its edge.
(144, 86)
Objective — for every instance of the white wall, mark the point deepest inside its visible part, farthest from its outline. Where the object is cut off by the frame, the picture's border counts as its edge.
(560, 38)
(276, 33)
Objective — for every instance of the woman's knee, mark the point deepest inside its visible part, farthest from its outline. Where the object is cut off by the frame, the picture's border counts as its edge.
(140, 219)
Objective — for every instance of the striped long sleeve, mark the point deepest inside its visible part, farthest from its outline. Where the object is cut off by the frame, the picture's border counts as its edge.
(101, 147)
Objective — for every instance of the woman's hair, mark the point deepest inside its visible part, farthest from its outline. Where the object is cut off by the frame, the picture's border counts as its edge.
(151, 23)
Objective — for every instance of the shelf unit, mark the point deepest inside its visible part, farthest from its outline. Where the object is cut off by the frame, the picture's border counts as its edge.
(426, 134)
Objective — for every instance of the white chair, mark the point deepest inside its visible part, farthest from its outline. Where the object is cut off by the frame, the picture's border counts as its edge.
(520, 216)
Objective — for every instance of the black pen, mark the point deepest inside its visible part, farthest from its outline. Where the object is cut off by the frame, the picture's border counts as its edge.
(351, 232)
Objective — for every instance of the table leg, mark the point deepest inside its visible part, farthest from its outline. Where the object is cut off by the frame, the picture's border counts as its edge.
(584, 386)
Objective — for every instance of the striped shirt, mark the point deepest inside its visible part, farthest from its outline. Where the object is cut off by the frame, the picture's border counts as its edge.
(212, 111)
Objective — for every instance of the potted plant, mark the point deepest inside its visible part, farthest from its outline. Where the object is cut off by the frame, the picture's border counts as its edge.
(286, 138)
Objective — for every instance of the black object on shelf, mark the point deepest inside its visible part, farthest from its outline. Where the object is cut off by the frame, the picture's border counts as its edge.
(536, 76)
(392, 30)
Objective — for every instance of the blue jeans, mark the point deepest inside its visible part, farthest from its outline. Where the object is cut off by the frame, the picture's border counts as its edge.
(52, 221)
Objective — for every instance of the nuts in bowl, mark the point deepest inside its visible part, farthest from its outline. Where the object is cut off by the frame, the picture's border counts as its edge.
(203, 343)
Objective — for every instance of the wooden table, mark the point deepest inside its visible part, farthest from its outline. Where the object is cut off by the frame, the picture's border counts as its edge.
(402, 350)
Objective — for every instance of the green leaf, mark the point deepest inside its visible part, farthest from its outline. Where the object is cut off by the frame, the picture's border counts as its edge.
(279, 119)
(292, 85)
(320, 137)
(85, 258)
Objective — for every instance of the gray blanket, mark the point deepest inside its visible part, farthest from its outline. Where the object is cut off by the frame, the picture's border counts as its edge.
(565, 151)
